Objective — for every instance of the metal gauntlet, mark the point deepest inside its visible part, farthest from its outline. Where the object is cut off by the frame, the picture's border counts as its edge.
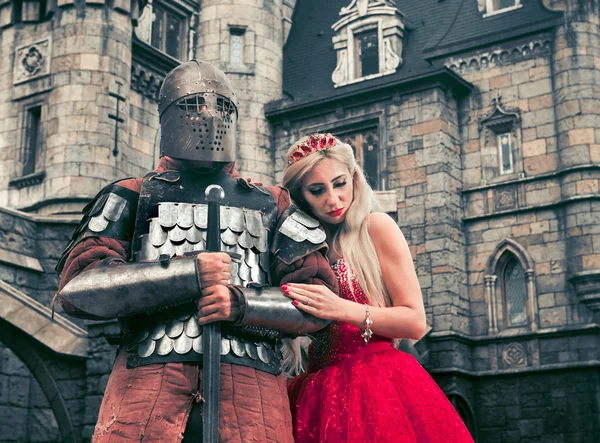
(269, 308)
(133, 288)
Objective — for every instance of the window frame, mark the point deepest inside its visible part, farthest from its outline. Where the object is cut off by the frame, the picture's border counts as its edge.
(366, 26)
(237, 31)
(376, 182)
(490, 11)
(501, 170)
(168, 8)
(31, 112)
(358, 60)
(22, 177)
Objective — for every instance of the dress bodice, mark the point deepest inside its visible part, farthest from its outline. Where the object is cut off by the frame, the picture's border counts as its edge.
(340, 340)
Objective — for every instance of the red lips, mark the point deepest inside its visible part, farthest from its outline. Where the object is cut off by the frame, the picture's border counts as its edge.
(336, 213)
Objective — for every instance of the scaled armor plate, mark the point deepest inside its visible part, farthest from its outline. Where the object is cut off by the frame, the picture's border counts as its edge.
(110, 214)
(181, 228)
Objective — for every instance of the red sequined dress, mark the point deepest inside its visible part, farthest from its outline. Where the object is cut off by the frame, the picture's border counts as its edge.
(352, 392)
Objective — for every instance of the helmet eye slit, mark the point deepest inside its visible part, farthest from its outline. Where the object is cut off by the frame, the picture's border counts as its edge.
(195, 104)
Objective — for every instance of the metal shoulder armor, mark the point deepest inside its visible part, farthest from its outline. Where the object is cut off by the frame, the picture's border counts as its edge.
(110, 214)
(297, 235)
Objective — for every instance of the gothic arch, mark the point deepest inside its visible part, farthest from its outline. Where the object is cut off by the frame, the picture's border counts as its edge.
(465, 412)
(504, 250)
(21, 345)
(26, 328)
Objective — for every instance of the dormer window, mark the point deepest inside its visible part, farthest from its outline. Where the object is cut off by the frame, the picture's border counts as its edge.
(368, 41)
(493, 7)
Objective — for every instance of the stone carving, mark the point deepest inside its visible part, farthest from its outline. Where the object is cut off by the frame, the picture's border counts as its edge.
(392, 60)
(143, 30)
(499, 57)
(145, 81)
(506, 198)
(340, 75)
(32, 61)
(514, 355)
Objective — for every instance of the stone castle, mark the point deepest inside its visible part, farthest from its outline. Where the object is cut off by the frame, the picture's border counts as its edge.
(477, 122)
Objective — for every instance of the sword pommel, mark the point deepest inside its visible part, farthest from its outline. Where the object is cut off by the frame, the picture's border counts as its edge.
(214, 194)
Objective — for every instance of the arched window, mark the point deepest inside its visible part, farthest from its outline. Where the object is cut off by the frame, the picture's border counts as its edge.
(510, 288)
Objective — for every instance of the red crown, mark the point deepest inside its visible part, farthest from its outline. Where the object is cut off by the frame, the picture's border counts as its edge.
(312, 144)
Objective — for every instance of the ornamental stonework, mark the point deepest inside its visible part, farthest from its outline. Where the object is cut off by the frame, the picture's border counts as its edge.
(32, 61)
(514, 355)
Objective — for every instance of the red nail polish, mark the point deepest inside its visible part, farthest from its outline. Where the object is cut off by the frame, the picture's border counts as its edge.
(295, 303)
(284, 287)
(286, 292)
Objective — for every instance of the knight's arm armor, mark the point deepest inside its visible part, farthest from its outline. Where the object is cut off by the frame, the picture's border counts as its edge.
(109, 286)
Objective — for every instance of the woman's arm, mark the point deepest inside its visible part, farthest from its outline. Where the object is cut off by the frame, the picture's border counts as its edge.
(405, 318)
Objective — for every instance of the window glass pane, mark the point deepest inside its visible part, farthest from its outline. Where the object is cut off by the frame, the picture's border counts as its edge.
(173, 40)
(32, 139)
(236, 46)
(505, 148)
(515, 293)
(157, 28)
(368, 53)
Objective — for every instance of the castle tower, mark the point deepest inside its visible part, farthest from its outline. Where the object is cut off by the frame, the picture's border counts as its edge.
(245, 39)
(64, 128)
(577, 102)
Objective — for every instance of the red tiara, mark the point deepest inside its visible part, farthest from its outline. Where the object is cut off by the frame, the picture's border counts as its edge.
(312, 144)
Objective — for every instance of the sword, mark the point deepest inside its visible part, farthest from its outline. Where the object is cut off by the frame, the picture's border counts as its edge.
(211, 337)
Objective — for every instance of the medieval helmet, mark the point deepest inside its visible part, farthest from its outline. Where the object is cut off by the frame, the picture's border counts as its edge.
(198, 114)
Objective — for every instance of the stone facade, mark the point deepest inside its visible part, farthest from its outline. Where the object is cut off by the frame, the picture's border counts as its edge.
(467, 215)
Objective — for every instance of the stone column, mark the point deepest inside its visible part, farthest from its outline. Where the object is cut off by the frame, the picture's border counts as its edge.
(425, 168)
(257, 77)
(490, 299)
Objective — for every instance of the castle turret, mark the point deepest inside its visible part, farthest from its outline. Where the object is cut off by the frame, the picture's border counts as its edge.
(64, 122)
(246, 41)
(576, 67)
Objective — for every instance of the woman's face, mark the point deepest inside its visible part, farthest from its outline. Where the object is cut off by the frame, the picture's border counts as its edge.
(327, 189)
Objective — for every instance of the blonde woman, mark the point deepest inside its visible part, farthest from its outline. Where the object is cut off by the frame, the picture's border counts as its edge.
(357, 387)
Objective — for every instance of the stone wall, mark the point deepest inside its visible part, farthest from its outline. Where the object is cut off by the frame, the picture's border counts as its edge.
(538, 408)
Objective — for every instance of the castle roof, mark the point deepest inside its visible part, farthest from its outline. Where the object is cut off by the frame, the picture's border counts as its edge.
(434, 29)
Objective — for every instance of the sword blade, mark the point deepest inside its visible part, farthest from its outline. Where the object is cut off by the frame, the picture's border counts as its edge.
(211, 337)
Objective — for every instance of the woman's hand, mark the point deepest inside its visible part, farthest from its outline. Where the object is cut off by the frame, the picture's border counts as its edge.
(317, 300)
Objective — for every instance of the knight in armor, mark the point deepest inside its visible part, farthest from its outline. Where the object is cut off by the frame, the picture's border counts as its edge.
(139, 255)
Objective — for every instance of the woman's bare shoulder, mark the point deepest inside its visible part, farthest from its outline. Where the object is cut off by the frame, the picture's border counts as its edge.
(384, 230)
